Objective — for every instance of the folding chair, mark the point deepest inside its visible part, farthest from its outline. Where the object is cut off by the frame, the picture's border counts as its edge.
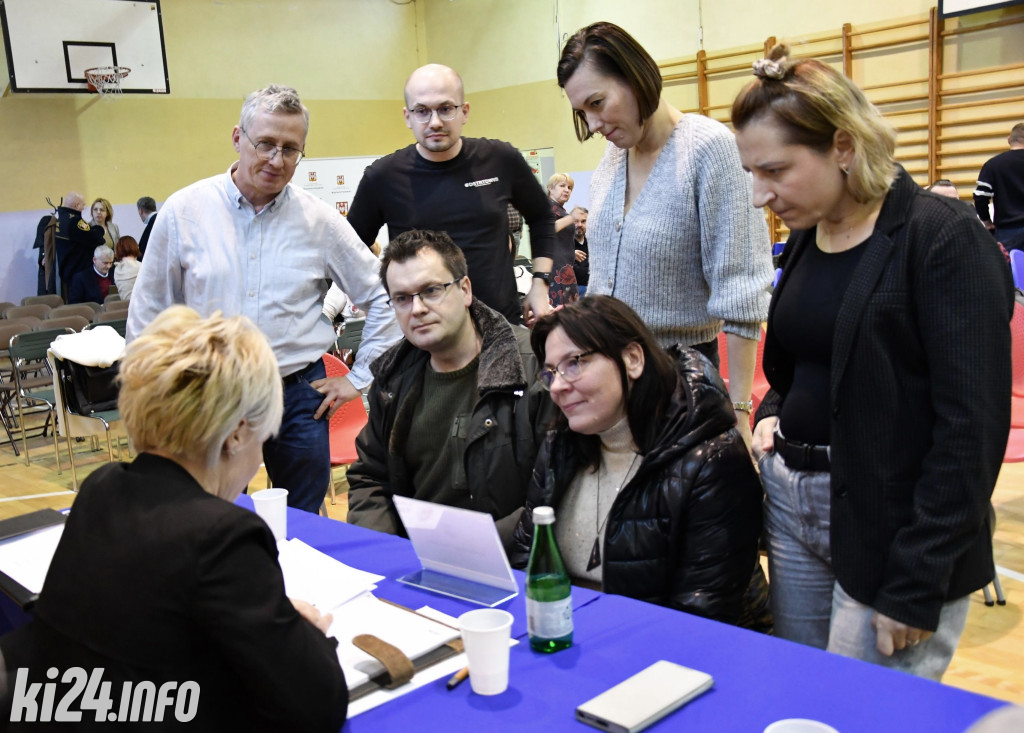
(118, 324)
(39, 310)
(53, 300)
(346, 423)
(350, 338)
(33, 380)
(75, 323)
(77, 422)
(75, 309)
(115, 306)
(7, 386)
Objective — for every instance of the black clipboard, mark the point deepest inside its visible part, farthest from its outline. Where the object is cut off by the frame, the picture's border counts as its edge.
(14, 527)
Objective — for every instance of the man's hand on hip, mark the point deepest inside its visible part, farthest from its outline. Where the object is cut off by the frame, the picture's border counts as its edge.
(336, 391)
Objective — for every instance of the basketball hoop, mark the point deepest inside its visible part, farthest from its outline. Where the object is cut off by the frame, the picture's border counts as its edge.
(106, 80)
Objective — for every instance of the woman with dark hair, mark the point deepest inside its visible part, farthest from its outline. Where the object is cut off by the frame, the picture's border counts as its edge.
(888, 354)
(126, 255)
(671, 230)
(654, 491)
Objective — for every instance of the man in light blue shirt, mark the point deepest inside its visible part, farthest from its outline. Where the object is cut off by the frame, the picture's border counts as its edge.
(248, 242)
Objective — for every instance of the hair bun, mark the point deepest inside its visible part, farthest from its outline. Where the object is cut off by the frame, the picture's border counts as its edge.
(774, 65)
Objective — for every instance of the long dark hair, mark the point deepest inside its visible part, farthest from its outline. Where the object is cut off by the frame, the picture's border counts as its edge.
(607, 326)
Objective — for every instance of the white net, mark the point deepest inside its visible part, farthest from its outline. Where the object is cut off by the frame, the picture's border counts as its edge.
(106, 80)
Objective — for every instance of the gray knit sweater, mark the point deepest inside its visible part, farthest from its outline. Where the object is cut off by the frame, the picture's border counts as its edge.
(693, 252)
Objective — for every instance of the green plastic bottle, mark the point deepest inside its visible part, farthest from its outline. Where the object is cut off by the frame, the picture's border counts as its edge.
(548, 590)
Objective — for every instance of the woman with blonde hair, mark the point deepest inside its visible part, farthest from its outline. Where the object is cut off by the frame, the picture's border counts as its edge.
(103, 217)
(888, 354)
(671, 229)
(159, 577)
(562, 288)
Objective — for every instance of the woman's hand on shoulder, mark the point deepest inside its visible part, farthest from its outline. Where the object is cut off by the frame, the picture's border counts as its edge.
(309, 612)
(763, 437)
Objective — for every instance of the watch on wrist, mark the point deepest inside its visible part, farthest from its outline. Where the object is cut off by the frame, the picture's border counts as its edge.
(747, 406)
(545, 276)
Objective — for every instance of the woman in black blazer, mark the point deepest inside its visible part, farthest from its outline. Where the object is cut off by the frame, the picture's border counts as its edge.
(159, 579)
(888, 353)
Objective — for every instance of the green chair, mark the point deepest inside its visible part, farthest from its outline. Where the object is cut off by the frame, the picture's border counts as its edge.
(33, 381)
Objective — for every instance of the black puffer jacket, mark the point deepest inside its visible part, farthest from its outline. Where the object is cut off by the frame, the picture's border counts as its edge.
(683, 532)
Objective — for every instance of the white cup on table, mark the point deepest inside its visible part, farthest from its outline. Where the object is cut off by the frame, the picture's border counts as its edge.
(799, 725)
(485, 634)
(272, 506)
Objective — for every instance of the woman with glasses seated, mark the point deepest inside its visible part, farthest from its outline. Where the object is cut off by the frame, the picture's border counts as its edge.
(160, 581)
(654, 492)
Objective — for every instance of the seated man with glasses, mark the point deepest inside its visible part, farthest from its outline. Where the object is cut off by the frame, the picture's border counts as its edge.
(462, 186)
(455, 413)
(247, 242)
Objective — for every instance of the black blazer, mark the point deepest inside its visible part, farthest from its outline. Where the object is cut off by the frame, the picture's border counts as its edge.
(155, 579)
(145, 236)
(920, 402)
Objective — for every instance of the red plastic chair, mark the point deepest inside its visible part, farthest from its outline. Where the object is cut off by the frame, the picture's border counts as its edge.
(346, 423)
(1015, 446)
(1017, 346)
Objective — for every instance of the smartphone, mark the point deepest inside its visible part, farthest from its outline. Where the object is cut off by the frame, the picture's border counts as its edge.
(645, 698)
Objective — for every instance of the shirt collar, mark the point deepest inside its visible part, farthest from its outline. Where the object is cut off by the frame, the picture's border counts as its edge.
(239, 200)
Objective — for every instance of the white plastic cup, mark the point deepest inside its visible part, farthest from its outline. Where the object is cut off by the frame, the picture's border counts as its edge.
(799, 725)
(272, 506)
(485, 633)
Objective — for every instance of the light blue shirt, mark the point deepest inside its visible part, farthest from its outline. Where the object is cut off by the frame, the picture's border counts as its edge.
(211, 251)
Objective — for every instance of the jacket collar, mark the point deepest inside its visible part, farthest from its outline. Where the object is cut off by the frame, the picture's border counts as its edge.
(501, 367)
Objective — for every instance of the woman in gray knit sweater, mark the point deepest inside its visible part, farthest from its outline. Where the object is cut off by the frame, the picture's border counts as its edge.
(672, 229)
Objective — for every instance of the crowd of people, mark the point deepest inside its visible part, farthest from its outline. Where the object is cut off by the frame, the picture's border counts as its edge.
(867, 475)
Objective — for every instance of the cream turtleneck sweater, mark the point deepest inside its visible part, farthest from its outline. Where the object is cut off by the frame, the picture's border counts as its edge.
(584, 508)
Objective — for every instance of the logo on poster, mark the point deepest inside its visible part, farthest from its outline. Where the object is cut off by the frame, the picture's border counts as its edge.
(342, 206)
(312, 176)
(341, 179)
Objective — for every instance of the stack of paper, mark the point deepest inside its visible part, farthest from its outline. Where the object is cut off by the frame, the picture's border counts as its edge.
(312, 576)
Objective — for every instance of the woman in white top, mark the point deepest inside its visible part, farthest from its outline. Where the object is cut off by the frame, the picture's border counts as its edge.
(103, 217)
(126, 255)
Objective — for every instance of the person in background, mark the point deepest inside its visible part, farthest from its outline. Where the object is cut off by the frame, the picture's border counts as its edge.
(654, 490)
(159, 577)
(93, 285)
(75, 242)
(462, 186)
(1001, 184)
(455, 412)
(126, 255)
(671, 231)
(103, 218)
(581, 266)
(944, 187)
(888, 355)
(563, 278)
(249, 242)
(147, 212)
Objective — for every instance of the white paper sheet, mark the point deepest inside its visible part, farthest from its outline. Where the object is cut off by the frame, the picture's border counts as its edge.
(312, 576)
(26, 558)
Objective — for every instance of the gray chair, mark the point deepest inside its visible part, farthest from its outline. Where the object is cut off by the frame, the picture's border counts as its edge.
(33, 381)
(75, 309)
(7, 385)
(53, 300)
(39, 310)
(109, 319)
(76, 323)
(4, 306)
(111, 297)
(115, 306)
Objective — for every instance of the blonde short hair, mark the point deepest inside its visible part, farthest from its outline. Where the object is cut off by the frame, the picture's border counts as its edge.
(560, 178)
(810, 101)
(188, 381)
(106, 206)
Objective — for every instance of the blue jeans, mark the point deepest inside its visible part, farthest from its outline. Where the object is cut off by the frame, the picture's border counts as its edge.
(298, 458)
(809, 605)
(1005, 235)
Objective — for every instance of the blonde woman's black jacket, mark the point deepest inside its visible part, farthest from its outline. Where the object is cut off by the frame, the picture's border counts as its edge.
(683, 532)
(920, 404)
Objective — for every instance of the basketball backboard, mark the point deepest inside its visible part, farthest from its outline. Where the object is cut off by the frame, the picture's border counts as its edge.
(50, 44)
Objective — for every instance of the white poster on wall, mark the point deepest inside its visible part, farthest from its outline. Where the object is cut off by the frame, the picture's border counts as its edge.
(335, 180)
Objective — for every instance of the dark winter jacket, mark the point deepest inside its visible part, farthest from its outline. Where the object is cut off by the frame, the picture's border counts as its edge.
(504, 431)
(684, 531)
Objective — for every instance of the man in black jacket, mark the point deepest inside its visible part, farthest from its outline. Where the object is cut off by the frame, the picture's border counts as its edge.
(147, 212)
(455, 414)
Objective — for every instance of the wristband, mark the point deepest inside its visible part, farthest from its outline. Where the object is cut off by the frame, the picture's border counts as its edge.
(747, 406)
(545, 276)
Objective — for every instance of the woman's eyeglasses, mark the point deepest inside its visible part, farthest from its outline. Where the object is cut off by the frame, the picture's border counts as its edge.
(570, 369)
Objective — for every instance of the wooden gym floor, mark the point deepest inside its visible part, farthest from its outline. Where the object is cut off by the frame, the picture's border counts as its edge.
(990, 659)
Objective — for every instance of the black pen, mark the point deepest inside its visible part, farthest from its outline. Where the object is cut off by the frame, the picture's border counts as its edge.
(458, 677)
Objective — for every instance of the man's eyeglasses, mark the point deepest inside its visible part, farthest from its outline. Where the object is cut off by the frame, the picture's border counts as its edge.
(446, 112)
(267, 151)
(430, 295)
(570, 370)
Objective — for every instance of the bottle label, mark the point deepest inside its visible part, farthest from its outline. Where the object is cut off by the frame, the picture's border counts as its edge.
(549, 619)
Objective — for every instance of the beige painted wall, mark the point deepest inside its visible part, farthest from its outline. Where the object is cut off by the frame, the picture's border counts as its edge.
(349, 59)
